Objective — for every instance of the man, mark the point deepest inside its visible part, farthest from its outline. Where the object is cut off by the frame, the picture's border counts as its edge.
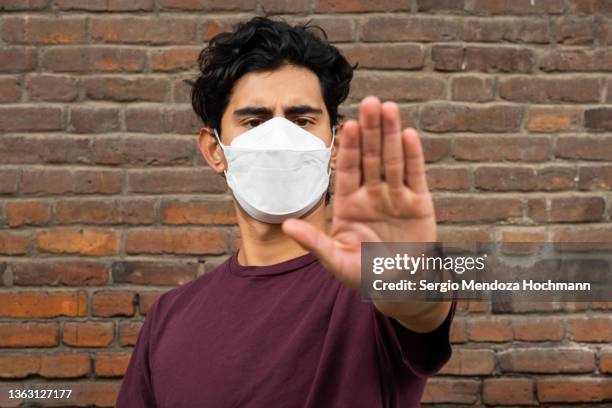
(281, 322)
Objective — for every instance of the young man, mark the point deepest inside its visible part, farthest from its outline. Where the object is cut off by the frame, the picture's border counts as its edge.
(281, 322)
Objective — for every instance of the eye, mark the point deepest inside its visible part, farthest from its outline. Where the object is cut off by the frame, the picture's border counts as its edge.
(253, 122)
(302, 121)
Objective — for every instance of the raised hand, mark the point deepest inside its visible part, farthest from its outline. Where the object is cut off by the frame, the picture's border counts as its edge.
(381, 192)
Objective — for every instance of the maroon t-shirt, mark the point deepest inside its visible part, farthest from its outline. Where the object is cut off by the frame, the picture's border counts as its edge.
(285, 335)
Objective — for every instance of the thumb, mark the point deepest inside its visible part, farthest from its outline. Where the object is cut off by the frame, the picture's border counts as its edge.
(309, 237)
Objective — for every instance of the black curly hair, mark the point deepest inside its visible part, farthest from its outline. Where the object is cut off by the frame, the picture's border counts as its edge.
(262, 44)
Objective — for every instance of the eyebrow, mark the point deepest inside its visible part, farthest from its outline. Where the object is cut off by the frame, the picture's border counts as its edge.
(291, 110)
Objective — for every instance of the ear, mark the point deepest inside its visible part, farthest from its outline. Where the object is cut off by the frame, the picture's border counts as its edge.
(334, 152)
(211, 150)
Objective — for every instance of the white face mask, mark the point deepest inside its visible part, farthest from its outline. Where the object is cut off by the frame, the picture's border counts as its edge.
(277, 170)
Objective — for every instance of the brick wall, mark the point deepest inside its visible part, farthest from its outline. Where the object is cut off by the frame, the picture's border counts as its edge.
(105, 201)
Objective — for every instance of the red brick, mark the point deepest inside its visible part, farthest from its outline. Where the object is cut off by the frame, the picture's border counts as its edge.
(111, 363)
(178, 241)
(93, 119)
(498, 59)
(497, 178)
(459, 391)
(496, 148)
(208, 5)
(173, 59)
(591, 329)
(128, 332)
(147, 30)
(8, 179)
(24, 118)
(105, 5)
(112, 211)
(590, 6)
(43, 304)
(409, 28)
(538, 329)
(595, 177)
(56, 88)
(447, 178)
(399, 87)
(147, 299)
(491, 330)
(572, 31)
(56, 365)
(202, 180)
(36, 149)
(96, 59)
(65, 272)
(575, 60)
(537, 90)
(16, 5)
(20, 213)
(599, 119)
(547, 119)
(154, 273)
(43, 30)
(461, 209)
(460, 118)
(17, 59)
(566, 209)
(62, 181)
(157, 118)
(574, 389)
(109, 303)
(584, 147)
(357, 6)
(385, 56)
(470, 362)
(605, 360)
(84, 241)
(29, 334)
(473, 89)
(10, 90)
(198, 212)
(88, 334)
(506, 30)
(143, 151)
(14, 243)
(516, 6)
(508, 391)
(152, 89)
(458, 332)
(547, 360)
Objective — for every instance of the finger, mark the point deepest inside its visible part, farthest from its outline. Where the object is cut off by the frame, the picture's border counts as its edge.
(415, 161)
(393, 155)
(369, 121)
(310, 238)
(348, 162)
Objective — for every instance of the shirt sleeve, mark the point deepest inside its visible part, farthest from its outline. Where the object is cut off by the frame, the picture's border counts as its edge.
(136, 389)
(422, 353)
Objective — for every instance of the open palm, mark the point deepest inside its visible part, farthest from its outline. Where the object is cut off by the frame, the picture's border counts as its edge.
(381, 193)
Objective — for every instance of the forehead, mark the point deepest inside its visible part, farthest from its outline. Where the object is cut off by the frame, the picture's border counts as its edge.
(286, 86)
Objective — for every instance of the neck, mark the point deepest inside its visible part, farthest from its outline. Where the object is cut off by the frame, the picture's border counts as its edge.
(264, 244)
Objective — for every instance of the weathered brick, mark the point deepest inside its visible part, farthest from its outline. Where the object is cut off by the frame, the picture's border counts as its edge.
(473, 89)
(17, 59)
(143, 151)
(598, 119)
(112, 211)
(56, 365)
(44, 30)
(547, 360)
(69, 273)
(57, 88)
(553, 119)
(399, 87)
(105, 5)
(93, 119)
(461, 209)
(496, 148)
(10, 89)
(460, 118)
(14, 243)
(448, 178)
(572, 31)
(84, 241)
(123, 89)
(208, 5)
(574, 389)
(188, 240)
(139, 30)
(356, 6)
(37, 149)
(20, 213)
(24, 118)
(17, 5)
(147, 299)
(591, 329)
(506, 178)
(157, 118)
(198, 212)
(575, 60)
(536, 90)
(595, 177)
(96, 59)
(61, 181)
(109, 303)
(43, 304)
(111, 363)
(495, 391)
(88, 334)
(385, 56)
(29, 334)
(441, 390)
(470, 362)
(128, 332)
(171, 59)
(506, 30)
(515, 6)
(566, 209)
(180, 181)
(413, 28)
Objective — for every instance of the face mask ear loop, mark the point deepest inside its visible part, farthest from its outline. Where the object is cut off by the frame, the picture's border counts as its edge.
(331, 146)
(222, 147)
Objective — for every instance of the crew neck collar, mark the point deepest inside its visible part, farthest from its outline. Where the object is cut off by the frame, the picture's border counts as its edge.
(265, 270)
